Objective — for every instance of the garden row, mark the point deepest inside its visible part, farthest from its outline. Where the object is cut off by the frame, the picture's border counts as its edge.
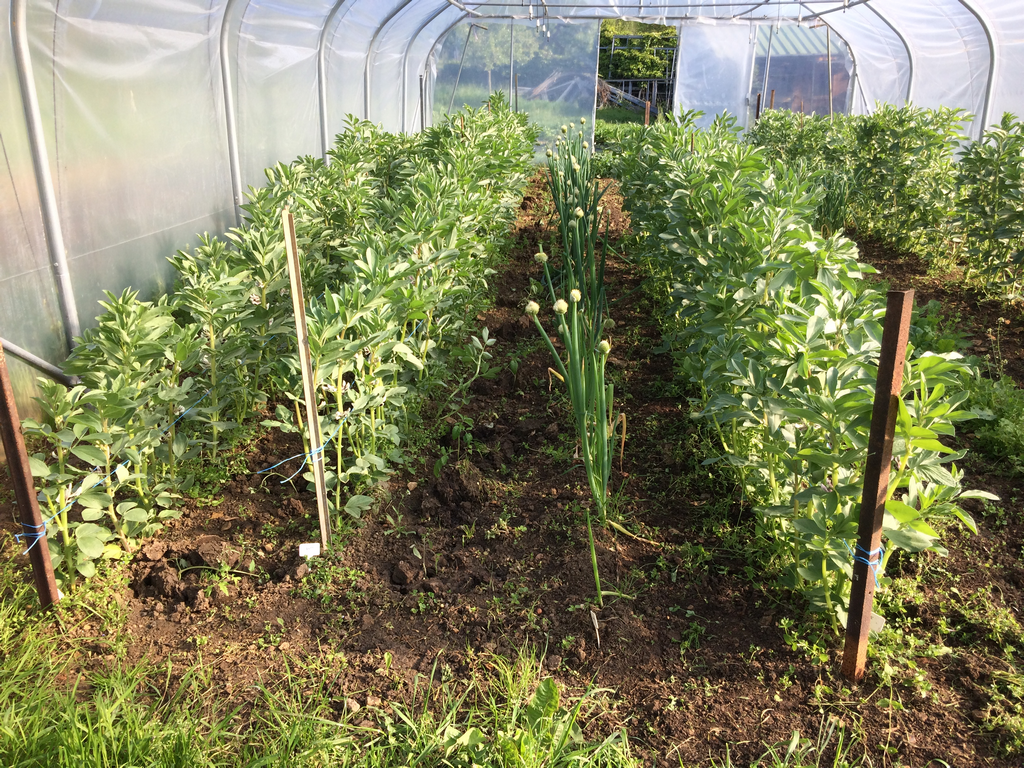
(396, 235)
(775, 328)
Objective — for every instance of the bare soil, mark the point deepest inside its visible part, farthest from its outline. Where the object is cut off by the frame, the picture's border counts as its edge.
(490, 554)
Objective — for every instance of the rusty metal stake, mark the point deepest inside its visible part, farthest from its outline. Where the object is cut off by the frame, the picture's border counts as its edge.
(757, 109)
(898, 307)
(24, 491)
(316, 446)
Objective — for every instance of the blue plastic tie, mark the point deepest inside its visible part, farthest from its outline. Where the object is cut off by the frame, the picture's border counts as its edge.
(315, 455)
(872, 559)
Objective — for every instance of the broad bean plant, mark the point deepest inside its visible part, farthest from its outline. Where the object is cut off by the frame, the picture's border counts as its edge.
(775, 326)
(910, 176)
(397, 234)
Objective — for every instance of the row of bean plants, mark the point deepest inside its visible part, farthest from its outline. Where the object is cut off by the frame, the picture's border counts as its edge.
(775, 327)
(397, 235)
(909, 176)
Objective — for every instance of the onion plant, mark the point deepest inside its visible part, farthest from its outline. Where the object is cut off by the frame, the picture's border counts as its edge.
(579, 307)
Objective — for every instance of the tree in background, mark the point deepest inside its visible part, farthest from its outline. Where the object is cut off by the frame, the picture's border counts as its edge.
(638, 59)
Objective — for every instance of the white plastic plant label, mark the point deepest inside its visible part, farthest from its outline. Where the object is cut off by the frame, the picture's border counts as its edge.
(309, 550)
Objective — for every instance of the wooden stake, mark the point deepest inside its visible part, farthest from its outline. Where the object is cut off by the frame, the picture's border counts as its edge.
(647, 113)
(757, 109)
(25, 491)
(771, 104)
(316, 455)
(899, 305)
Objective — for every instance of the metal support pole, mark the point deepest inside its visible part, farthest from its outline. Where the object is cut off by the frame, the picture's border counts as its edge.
(828, 49)
(321, 76)
(517, 92)
(228, 80)
(41, 165)
(24, 491)
(462, 61)
(39, 364)
(423, 104)
(867, 560)
(511, 58)
(768, 58)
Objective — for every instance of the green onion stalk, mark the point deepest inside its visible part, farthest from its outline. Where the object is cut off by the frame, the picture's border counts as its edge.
(580, 317)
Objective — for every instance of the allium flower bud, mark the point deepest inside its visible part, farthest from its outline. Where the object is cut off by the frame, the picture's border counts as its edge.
(565, 129)
(549, 153)
(575, 295)
(540, 258)
(585, 145)
(608, 324)
(532, 308)
(561, 307)
(583, 121)
(604, 347)
(579, 213)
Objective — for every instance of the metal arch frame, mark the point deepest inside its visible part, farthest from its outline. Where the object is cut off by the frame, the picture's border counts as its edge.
(444, 34)
(49, 209)
(369, 52)
(992, 62)
(321, 74)
(230, 105)
(853, 58)
(906, 45)
(405, 61)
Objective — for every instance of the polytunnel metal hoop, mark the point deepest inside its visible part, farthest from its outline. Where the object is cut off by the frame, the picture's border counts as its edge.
(44, 182)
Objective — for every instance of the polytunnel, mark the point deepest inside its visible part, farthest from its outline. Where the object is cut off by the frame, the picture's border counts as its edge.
(129, 126)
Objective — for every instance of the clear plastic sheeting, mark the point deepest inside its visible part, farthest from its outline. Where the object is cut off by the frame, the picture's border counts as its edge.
(348, 76)
(1005, 22)
(714, 69)
(797, 76)
(552, 73)
(950, 52)
(132, 106)
(881, 60)
(278, 97)
(29, 312)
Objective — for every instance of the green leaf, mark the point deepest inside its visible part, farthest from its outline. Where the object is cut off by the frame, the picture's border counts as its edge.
(38, 467)
(89, 546)
(136, 515)
(94, 499)
(356, 505)
(544, 703)
(910, 540)
(90, 454)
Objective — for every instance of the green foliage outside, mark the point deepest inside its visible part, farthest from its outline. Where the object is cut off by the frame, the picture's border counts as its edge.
(637, 59)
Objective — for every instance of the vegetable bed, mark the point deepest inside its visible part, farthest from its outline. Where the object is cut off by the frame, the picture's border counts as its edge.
(470, 550)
